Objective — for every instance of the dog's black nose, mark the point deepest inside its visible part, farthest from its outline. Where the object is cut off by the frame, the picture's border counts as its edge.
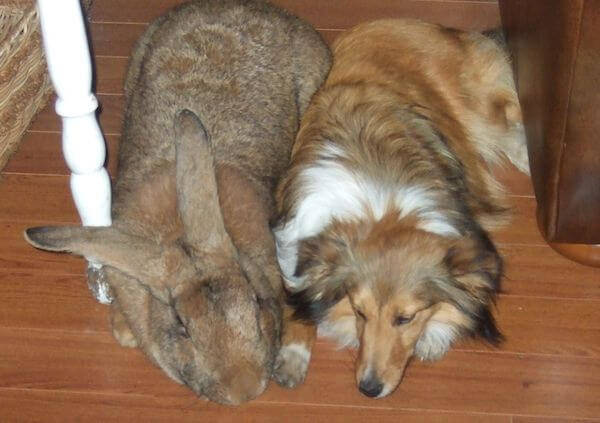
(370, 387)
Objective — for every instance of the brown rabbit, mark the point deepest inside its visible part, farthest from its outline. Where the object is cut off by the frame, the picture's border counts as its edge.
(214, 94)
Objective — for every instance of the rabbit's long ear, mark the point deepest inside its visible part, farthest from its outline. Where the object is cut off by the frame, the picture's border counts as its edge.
(157, 267)
(197, 194)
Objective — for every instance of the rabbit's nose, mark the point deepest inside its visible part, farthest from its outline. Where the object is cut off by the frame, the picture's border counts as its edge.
(246, 384)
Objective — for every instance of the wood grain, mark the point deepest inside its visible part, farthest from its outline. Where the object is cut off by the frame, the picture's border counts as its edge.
(522, 230)
(464, 382)
(110, 115)
(35, 199)
(330, 14)
(528, 419)
(533, 270)
(48, 301)
(117, 39)
(114, 39)
(59, 362)
(77, 406)
(16, 255)
(515, 182)
(18, 189)
(110, 74)
(40, 153)
(535, 325)
(525, 321)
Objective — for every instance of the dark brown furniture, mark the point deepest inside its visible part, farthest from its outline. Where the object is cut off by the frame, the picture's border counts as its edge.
(556, 49)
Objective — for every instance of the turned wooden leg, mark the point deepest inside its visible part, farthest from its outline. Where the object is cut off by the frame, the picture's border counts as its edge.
(68, 57)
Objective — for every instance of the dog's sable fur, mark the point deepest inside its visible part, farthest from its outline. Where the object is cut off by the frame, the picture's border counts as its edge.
(190, 256)
(381, 233)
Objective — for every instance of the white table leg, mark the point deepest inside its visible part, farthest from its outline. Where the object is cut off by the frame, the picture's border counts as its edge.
(68, 58)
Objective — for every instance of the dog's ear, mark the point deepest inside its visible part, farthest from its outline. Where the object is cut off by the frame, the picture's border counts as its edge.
(324, 261)
(475, 268)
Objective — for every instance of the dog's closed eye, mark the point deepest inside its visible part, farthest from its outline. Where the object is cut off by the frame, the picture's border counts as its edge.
(360, 314)
(402, 320)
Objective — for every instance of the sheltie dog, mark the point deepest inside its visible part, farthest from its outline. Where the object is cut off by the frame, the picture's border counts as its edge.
(383, 213)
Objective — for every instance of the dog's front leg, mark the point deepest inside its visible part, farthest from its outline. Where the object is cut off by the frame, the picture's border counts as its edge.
(297, 341)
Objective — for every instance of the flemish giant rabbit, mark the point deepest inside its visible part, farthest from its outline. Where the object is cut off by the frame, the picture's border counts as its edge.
(190, 256)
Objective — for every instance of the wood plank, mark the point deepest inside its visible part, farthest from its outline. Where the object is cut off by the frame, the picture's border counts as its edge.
(345, 14)
(541, 271)
(58, 361)
(572, 329)
(130, 12)
(546, 326)
(49, 301)
(17, 256)
(24, 193)
(332, 14)
(41, 153)
(114, 39)
(529, 419)
(117, 39)
(35, 200)
(79, 361)
(110, 115)
(482, 382)
(329, 35)
(21, 205)
(60, 407)
(110, 74)
(522, 229)
(514, 181)
(464, 382)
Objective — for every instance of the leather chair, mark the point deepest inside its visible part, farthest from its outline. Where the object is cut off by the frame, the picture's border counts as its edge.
(556, 52)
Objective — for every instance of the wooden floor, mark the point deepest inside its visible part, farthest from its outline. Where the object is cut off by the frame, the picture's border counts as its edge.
(59, 362)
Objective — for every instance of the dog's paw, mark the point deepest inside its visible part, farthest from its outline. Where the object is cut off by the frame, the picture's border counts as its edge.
(291, 365)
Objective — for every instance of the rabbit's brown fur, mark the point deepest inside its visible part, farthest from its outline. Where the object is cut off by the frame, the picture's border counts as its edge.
(190, 256)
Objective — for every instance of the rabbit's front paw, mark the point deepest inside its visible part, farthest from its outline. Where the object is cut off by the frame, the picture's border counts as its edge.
(291, 365)
(124, 336)
(121, 330)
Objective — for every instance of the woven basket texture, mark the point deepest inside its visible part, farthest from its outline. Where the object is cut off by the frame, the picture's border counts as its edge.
(24, 82)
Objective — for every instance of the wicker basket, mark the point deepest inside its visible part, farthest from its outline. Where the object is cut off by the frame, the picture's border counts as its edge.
(24, 82)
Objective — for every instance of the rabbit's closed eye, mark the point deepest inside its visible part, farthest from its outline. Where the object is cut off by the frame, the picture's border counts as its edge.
(210, 291)
(180, 328)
